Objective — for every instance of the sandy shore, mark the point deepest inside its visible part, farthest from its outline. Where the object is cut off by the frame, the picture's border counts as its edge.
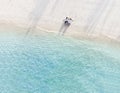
(21, 30)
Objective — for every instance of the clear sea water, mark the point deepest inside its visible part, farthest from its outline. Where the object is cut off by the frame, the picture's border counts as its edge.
(49, 63)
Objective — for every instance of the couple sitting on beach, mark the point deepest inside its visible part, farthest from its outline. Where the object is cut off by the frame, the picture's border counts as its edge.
(67, 22)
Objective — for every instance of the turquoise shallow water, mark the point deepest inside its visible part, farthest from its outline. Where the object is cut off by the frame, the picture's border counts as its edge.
(53, 64)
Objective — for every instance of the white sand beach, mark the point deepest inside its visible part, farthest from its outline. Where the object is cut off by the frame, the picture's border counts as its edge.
(34, 58)
(94, 20)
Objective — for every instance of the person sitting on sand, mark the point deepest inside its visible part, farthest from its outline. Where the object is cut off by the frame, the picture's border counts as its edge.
(65, 25)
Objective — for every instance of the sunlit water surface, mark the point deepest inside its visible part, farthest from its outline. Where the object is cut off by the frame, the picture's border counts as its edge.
(49, 63)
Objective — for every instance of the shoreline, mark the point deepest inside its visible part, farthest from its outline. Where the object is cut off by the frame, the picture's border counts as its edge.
(99, 38)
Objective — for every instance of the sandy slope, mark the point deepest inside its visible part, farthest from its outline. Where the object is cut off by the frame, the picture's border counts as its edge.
(97, 18)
